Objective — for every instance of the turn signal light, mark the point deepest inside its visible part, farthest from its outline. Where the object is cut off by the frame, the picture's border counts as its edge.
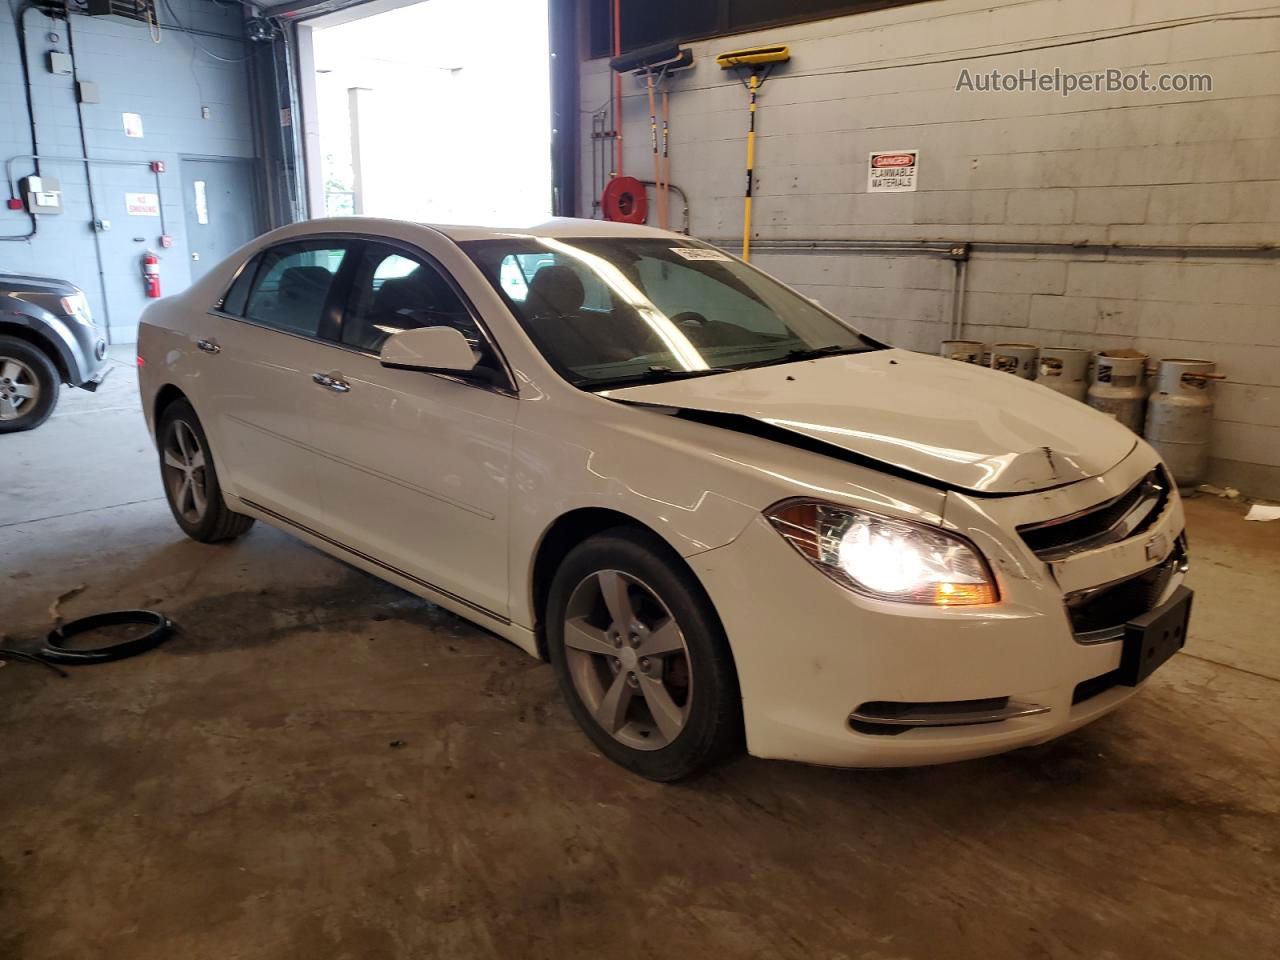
(964, 594)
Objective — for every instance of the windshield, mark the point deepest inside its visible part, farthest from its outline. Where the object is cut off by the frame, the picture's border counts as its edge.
(610, 311)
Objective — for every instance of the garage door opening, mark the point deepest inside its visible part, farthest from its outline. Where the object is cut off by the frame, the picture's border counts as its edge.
(437, 112)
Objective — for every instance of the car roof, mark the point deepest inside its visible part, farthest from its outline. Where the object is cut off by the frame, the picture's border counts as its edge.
(555, 227)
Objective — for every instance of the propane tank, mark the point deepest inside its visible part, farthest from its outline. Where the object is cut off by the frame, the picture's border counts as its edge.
(1016, 358)
(966, 351)
(1180, 417)
(1120, 386)
(1065, 370)
(151, 275)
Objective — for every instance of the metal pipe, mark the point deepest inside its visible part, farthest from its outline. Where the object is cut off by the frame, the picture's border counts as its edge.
(51, 158)
(617, 89)
(873, 247)
(945, 248)
(164, 231)
(292, 144)
(19, 23)
(957, 298)
(88, 182)
(684, 200)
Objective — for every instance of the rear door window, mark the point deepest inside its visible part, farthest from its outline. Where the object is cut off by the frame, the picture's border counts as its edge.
(293, 285)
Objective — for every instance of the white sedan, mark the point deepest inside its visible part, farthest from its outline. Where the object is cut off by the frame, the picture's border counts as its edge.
(723, 514)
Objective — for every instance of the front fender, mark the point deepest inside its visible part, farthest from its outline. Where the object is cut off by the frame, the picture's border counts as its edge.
(75, 366)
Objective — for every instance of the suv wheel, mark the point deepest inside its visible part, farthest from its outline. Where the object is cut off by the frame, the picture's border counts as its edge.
(28, 386)
(191, 480)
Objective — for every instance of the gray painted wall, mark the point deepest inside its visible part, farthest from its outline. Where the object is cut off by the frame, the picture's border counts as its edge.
(1095, 168)
(167, 83)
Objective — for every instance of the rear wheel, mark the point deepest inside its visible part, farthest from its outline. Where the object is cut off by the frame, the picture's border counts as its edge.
(191, 479)
(641, 657)
(28, 386)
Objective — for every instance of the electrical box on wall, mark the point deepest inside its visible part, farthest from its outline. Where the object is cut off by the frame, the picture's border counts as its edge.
(60, 63)
(134, 12)
(41, 194)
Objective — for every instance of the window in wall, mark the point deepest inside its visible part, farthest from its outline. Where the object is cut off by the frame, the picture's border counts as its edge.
(656, 21)
(293, 284)
(664, 21)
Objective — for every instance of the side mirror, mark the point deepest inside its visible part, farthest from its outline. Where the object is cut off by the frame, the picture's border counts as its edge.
(433, 349)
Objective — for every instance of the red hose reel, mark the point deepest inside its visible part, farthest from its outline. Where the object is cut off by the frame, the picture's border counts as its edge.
(625, 201)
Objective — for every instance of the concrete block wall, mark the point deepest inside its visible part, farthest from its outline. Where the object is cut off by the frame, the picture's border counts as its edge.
(1056, 178)
(167, 83)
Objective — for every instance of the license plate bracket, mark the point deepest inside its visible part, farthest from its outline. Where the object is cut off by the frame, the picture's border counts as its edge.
(1153, 638)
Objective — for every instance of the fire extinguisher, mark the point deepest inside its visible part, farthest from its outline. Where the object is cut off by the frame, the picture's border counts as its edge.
(151, 274)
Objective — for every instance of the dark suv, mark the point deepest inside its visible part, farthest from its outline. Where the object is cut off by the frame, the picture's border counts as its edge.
(47, 337)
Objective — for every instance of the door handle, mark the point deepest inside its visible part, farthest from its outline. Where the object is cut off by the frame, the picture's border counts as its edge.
(336, 384)
(209, 346)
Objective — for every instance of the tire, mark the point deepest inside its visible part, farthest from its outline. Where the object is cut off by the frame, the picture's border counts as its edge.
(190, 478)
(29, 385)
(624, 703)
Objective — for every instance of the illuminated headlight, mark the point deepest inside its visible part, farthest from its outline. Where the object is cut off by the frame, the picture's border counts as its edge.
(77, 306)
(885, 558)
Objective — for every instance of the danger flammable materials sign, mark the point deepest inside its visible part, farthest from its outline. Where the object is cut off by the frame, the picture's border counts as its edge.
(892, 171)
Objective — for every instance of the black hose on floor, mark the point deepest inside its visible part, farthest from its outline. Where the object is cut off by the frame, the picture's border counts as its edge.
(55, 650)
(26, 656)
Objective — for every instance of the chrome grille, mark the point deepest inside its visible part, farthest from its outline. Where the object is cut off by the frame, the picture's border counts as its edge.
(1114, 520)
(1100, 613)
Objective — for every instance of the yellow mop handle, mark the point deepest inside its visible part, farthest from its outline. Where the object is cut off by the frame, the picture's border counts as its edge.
(751, 160)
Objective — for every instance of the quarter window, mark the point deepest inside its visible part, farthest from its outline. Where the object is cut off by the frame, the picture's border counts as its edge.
(293, 286)
(236, 298)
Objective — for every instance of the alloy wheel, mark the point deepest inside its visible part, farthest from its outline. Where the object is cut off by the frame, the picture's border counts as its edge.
(19, 388)
(184, 472)
(628, 660)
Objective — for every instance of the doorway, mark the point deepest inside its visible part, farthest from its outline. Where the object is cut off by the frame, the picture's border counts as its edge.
(218, 200)
(438, 112)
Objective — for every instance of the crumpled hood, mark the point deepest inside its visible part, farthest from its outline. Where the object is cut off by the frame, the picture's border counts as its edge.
(956, 424)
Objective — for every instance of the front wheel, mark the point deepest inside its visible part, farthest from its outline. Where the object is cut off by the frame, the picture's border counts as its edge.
(642, 658)
(191, 479)
(28, 386)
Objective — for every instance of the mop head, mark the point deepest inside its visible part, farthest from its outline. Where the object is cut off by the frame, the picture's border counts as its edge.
(754, 57)
(669, 56)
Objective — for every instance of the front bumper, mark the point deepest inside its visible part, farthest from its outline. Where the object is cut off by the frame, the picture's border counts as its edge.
(94, 365)
(809, 653)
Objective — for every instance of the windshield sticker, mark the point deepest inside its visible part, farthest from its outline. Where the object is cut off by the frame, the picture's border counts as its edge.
(701, 253)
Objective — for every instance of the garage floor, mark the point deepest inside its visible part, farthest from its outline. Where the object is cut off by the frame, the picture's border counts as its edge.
(235, 794)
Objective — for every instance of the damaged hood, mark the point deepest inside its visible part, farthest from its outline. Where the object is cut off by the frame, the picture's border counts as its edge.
(951, 423)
